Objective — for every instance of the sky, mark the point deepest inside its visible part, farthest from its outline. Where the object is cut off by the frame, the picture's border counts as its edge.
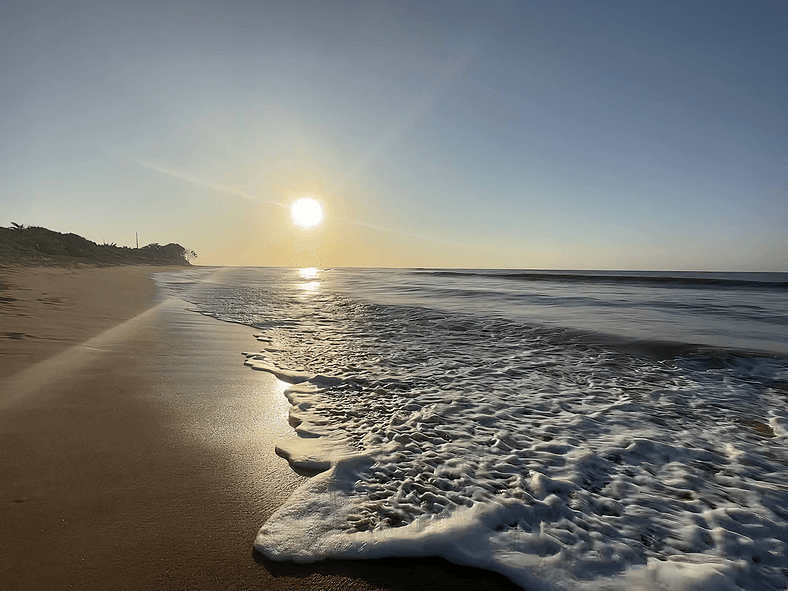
(558, 135)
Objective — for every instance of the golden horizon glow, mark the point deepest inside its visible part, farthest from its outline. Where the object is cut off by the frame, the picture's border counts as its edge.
(306, 212)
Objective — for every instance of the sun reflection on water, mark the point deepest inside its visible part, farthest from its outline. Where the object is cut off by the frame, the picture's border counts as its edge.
(310, 274)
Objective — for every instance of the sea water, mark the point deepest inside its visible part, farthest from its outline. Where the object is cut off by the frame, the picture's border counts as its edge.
(571, 430)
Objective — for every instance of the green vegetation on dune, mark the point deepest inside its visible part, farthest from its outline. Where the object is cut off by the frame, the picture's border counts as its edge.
(40, 246)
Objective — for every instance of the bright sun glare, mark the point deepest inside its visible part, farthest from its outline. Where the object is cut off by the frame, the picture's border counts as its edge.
(306, 212)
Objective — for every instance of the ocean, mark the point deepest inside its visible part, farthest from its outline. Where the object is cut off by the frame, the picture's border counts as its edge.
(568, 429)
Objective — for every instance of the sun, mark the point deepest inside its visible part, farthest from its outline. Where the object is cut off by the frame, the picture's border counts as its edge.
(306, 212)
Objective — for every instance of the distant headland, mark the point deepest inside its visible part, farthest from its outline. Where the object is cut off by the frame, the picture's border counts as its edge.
(34, 245)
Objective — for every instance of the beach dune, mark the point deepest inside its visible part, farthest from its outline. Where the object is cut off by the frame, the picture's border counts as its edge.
(137, 451)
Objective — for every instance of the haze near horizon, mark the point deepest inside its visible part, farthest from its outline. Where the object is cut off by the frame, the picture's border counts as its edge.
(606, 135)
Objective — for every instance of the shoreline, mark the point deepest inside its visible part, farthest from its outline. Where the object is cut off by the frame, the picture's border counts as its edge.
(142, 456)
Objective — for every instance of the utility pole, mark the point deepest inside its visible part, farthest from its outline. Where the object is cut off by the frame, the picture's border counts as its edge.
(138, 239)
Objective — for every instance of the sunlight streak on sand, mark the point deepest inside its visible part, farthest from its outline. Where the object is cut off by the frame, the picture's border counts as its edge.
(36, 378)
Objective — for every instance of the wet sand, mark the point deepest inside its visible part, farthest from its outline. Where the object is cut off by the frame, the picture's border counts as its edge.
(137, 451)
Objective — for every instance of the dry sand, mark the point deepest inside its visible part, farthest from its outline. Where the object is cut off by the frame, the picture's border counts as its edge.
(136, 449)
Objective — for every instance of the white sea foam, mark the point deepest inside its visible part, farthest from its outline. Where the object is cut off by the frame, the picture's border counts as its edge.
(568, 491)
(561, 464)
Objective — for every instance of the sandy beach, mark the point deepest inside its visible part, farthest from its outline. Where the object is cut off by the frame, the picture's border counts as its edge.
(137, 451)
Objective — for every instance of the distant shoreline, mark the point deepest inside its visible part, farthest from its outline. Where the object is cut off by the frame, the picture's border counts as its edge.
(35, 246)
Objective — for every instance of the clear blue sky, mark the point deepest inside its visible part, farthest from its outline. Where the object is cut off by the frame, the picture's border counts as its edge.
(648, 135)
